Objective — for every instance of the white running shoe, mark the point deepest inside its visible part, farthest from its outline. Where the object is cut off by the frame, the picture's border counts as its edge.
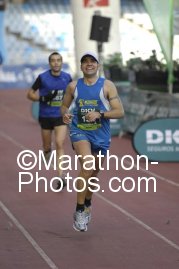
(87, 214)
(79, 223)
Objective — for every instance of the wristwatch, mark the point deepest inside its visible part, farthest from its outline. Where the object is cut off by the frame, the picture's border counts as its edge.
(102, 114)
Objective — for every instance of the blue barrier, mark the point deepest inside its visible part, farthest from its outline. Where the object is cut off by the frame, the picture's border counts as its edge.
(35, 110)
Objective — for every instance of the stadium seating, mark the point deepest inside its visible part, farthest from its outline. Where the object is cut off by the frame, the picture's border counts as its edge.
(30, 32)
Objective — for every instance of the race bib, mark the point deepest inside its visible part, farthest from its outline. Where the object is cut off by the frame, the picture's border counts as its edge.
(83, 123)
(57, 100)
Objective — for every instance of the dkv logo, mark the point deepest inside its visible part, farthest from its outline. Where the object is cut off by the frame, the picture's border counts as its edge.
(158, 136)
(158, 139)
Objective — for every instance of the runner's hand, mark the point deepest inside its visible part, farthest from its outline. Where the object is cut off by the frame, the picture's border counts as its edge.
(92, 116)
(67, 118)
(49, 97)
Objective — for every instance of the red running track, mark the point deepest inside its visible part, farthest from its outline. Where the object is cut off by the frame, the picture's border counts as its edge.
(129, 230)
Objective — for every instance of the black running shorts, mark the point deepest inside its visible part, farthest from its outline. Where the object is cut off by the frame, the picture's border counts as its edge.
(50, 123)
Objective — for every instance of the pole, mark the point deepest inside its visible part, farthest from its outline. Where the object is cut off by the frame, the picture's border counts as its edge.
(170, 65)
(100, 57)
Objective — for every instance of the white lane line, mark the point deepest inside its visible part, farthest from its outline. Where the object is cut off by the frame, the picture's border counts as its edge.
(138, 221)
(16, 222)
(18, 114)
(153, 174)
(12, 140)
(28, 237)
(161, 178)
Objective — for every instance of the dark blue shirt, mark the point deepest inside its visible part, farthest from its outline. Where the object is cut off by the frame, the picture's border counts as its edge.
(46, 83)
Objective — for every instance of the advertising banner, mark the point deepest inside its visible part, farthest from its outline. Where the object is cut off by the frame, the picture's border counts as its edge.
(96, 3)
(158, 139)
(22, 76)
(161, 14)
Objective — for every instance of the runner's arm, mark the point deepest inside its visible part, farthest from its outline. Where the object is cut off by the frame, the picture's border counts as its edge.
(67, 100)
(116, 108)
